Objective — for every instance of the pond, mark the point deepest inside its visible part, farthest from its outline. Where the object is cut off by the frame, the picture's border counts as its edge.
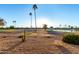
(72, 30)
(58, 32)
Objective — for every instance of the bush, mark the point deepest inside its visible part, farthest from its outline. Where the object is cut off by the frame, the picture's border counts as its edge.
(11, 27)
(20, 36)
(73, 39)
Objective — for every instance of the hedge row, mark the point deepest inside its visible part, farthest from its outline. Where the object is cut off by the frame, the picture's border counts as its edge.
(73, 39)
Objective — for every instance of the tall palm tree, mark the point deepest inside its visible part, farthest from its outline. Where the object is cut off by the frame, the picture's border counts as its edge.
(14, 23)
(31, 18)
(60, 25)
(35, 7)
(69, 26)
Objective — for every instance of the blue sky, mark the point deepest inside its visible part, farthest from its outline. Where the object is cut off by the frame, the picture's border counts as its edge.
(50, 14)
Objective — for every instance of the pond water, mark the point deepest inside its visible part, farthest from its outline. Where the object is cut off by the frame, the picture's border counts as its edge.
(59, 32)
(65, 30)
(72, 30)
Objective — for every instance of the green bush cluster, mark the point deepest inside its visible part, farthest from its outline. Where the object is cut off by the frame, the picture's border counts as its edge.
(71, 38)
(11, 27)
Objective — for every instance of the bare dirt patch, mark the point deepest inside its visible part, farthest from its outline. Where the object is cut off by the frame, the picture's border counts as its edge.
(40, 43)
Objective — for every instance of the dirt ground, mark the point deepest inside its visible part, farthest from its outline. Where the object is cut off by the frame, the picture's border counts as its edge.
(35, 43)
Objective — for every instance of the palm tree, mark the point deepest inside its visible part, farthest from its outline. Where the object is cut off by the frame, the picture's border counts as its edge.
(45, 27)
(69, 26)
(60, 25)
(35, 7)
(14, 23)
(72, 28)
(31, 18)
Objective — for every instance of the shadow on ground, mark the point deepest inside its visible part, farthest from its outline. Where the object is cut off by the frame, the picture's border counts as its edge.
(63, 49)
(9, 50)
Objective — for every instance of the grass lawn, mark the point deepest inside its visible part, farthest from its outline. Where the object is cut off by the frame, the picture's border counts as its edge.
(7, 30)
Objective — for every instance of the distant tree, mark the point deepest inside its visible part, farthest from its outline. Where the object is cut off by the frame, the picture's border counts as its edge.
(2, 22)
(14, 23)
(72, 28)
(11, 27)
(51, 27)
(60, 25)
(69, 26)
(45, 27)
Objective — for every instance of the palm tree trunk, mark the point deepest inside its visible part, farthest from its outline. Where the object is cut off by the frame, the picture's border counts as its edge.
(35, 19)
(31, 21)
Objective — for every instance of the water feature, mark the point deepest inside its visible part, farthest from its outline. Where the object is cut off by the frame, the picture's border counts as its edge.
(59, 32)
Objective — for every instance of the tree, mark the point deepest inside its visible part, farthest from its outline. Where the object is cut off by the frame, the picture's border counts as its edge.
(14, 23)
(35, 7)
(72, 28)
(11, 27)
(45, 27)
(51, 28)
(31, 18)
(60, 25)
(2, 22)
(69, 26)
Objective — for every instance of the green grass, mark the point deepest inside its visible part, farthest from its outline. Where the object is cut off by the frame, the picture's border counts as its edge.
(7, 30)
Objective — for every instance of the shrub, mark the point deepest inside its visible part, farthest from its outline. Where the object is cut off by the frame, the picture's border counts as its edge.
(20, 36)
(73, 39)
(11, 27)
